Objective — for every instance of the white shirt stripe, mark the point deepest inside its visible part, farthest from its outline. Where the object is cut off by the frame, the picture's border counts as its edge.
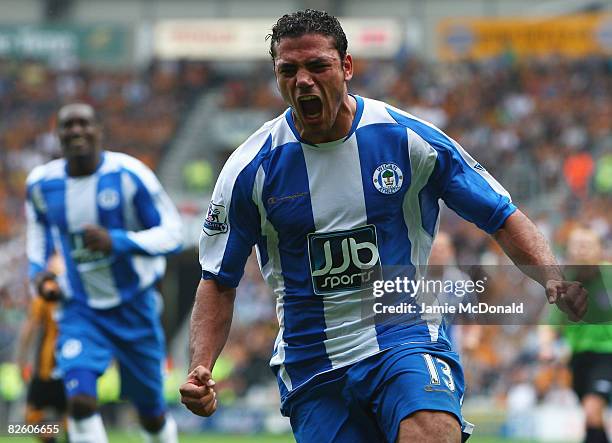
(334, 177)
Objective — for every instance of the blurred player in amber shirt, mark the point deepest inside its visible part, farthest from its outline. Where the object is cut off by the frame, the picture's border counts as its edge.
(39, 334)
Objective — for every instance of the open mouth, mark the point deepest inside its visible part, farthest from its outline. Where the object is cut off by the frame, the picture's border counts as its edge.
(311, 106)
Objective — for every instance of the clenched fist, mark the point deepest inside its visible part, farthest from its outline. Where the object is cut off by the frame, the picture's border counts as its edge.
(197, 393)
(569, 296)
(97, 238)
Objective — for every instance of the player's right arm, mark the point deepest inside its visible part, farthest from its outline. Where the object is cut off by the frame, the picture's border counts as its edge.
(39, 243)
(38, 239)
(231, 228)
(211, 320)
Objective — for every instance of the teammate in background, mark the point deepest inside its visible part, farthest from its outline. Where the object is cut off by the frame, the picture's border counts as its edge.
(590, 341)
(46, 388)
(113, 222)
(335, 192)
(443, 266)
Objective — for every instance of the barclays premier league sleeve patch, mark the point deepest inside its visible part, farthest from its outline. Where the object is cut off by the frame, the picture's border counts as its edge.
(216, 220)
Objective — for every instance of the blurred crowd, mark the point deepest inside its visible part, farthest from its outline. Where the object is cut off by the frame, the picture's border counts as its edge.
(541, 127)
(140, 112)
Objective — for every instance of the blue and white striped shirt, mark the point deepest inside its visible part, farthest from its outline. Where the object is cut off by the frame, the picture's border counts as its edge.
(323, 217)
(123, 196)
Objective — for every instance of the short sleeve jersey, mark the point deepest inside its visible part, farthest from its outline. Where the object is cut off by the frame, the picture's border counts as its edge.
(327, 219)
(123, 196)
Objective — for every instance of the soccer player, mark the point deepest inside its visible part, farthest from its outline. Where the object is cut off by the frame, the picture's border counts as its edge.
(331, 191)
(590, 341)
(46, 389)
(109, 217)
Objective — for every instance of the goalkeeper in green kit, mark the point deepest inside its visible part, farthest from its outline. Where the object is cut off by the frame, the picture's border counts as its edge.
(590, 340)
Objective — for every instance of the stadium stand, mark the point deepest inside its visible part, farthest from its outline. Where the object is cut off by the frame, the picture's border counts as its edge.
(541, 126)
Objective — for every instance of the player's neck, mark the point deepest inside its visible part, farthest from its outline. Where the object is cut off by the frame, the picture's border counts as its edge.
(83, 166)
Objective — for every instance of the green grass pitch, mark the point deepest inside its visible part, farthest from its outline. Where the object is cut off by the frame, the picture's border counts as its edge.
(133, 437)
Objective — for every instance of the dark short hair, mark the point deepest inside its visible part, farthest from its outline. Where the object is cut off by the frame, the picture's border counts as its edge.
(309, 21)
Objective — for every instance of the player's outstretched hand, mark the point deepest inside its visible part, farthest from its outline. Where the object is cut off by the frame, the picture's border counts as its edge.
(97, 238)
(197, 393)
(569, 296)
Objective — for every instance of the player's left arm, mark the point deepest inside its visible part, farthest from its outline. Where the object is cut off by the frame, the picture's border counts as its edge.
(525, 245)
(475, 195)
(162, 231)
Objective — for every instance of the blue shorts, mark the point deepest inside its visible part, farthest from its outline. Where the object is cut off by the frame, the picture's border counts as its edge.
(367, 401)
(131, 333)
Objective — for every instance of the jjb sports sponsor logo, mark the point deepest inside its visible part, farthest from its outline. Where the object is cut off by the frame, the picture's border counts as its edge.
(344, 260)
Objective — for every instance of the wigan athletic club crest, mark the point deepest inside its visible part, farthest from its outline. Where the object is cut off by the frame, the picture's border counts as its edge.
(108, 199)
(215, 221)
(388, 178)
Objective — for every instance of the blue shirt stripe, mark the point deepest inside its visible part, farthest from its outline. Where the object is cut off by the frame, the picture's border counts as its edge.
(462, 188)
(286, 193)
